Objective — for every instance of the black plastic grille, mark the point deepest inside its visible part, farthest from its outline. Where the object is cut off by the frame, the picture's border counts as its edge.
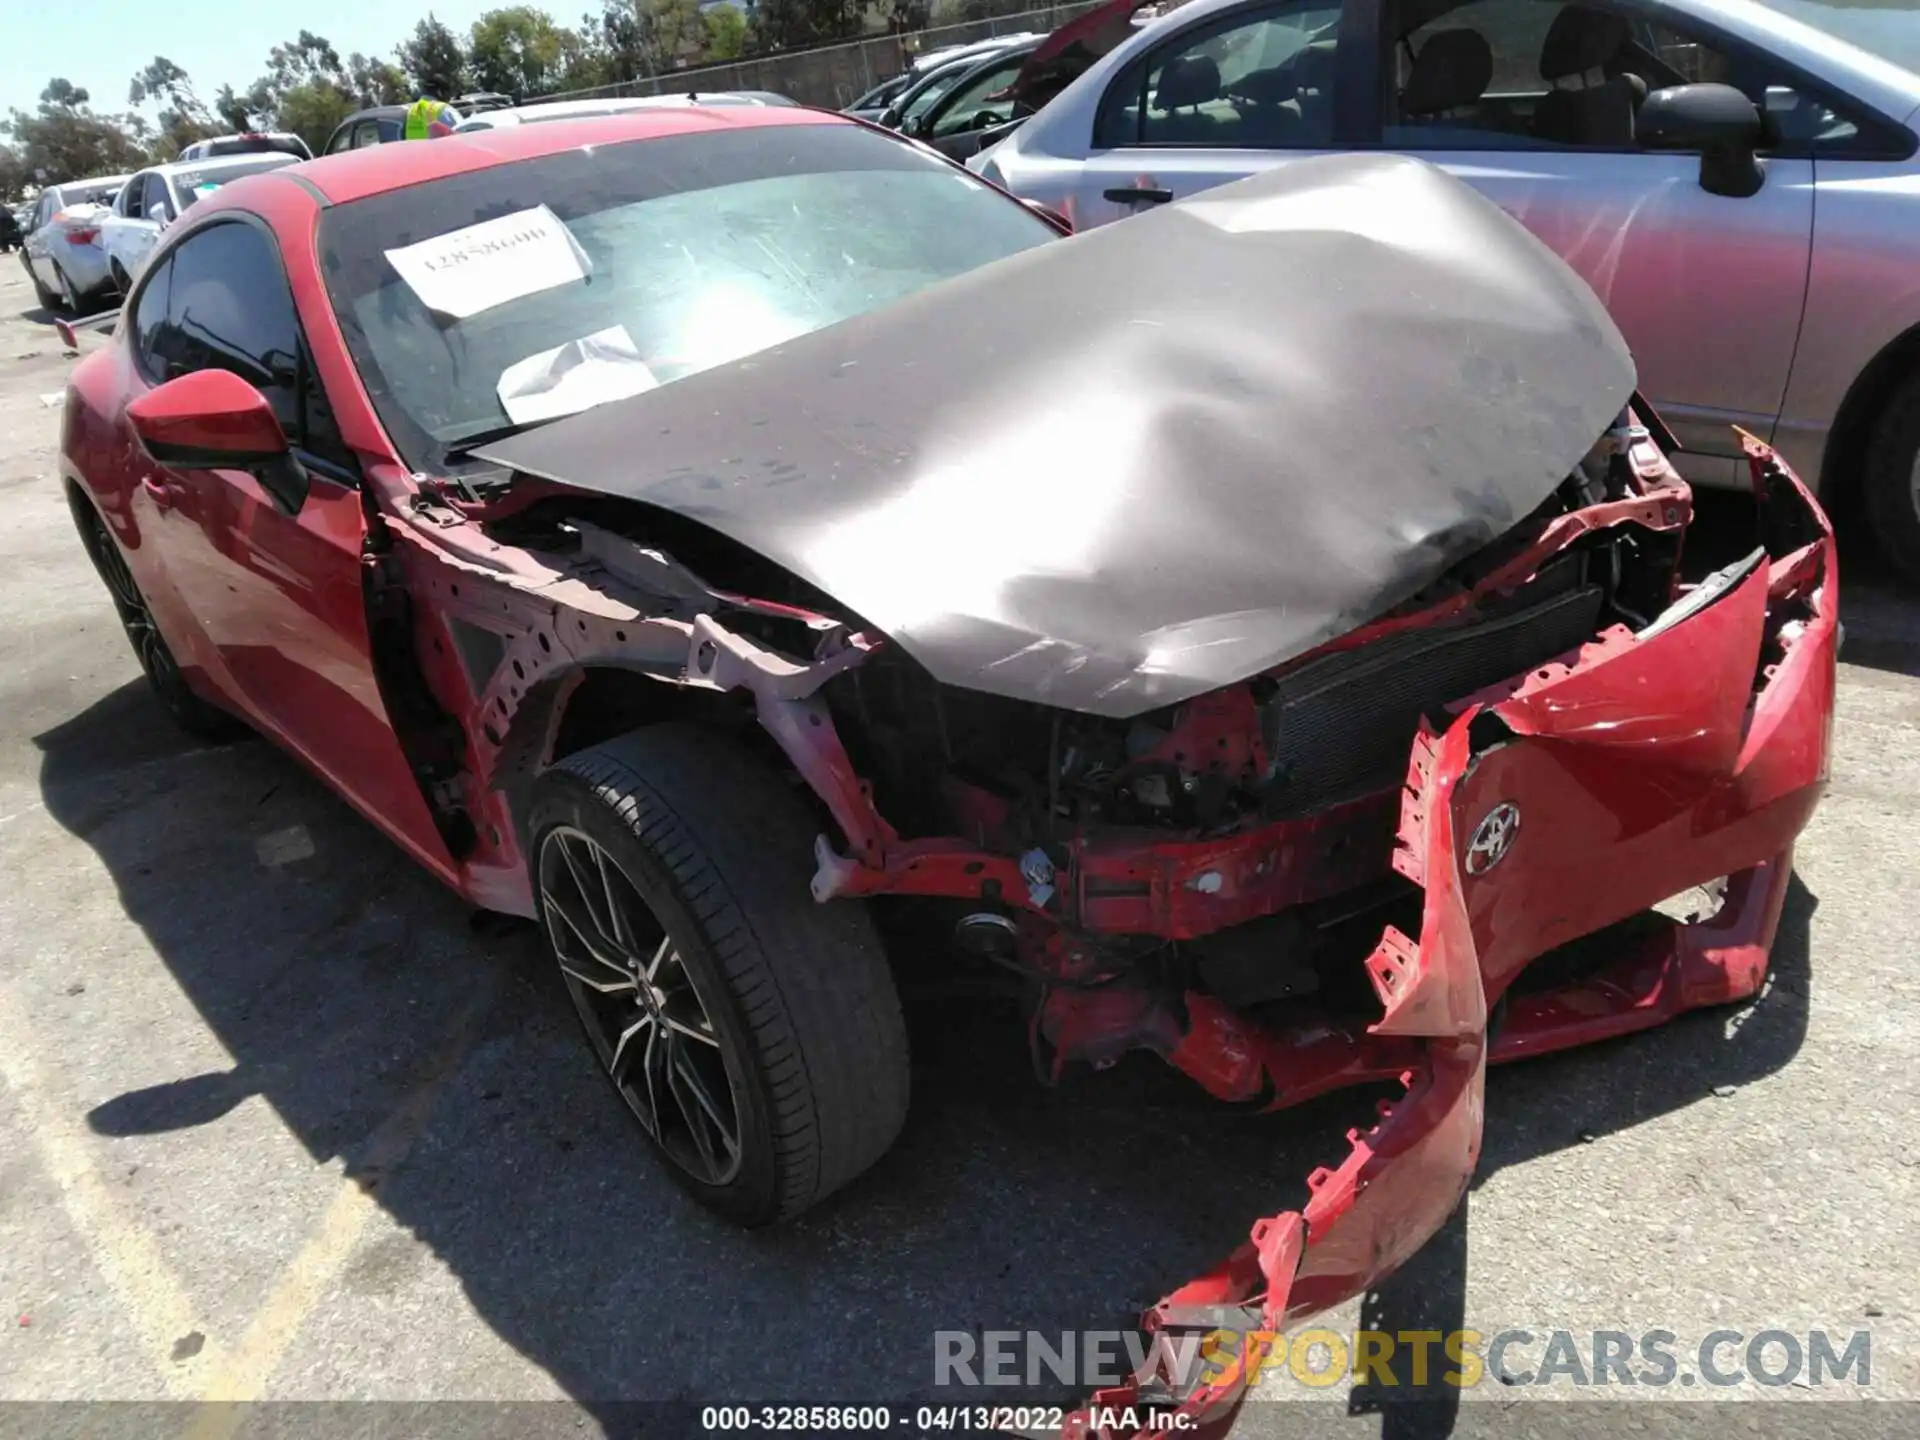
(1343, 725)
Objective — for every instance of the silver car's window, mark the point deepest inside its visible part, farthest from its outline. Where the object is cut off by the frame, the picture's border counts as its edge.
(977, 104)
(1261, 81)
(1498, 74)
(1887, 28)
(931, 93)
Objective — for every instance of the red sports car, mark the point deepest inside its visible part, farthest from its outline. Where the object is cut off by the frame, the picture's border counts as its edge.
(749, 545)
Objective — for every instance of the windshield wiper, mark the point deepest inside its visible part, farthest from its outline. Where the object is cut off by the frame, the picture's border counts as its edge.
(471, 443)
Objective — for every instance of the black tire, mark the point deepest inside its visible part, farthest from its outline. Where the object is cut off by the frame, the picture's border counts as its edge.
(49, 300)
(1891, 483)
(720, 851)
(188, 710)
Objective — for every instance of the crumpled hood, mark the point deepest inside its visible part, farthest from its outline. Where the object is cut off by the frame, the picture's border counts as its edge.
(1127, 468)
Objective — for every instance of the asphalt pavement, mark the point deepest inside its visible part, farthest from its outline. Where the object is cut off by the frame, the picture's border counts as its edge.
(280, 1122)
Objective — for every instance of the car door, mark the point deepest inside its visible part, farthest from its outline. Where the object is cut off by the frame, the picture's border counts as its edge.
(954, 124)
(275, 597)
(1224, 98)
(114, 224)
(1533, 102)
(126, 234)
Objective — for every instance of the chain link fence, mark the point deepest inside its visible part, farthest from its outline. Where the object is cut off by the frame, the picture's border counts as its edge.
(834, 75)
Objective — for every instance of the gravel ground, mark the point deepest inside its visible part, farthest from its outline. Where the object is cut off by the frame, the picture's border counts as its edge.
(278, 1122)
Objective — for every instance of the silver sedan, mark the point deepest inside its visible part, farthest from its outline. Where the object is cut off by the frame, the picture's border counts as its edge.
(1737, 180)
(62, 249)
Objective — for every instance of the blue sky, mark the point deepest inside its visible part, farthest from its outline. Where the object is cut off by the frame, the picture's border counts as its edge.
(99, 44)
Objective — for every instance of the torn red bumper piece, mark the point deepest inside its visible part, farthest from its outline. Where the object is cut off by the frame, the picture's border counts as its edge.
(1577, 797)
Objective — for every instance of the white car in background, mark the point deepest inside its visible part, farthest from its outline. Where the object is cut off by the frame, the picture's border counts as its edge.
(577, 109)
(252, 142)
(1738, 180)
(155, 198)
(61, 246)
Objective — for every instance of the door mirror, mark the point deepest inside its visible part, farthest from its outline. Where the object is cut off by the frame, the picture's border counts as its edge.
(214, 420)
(890, 117)
(1719, 122)
(159, 214)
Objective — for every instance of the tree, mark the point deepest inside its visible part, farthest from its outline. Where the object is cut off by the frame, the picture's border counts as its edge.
(306, 90)
(64, 140)
(375, 82)
(63, 95)
(307, 60)
(785, 23)
(519, 50)
(434, 61)
(615, 44)
(313, 111)
(14, 175)
(239, 110)
(674, 32)
(183, 118)
(726, 33)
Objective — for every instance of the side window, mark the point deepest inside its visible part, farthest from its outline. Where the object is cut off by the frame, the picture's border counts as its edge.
(1801, 124)
(228, 307)
(1478, 76)
(1261, 81)
(149, 316)
(1561, 74)
(931, 96)
(972, 106)
(129, 201)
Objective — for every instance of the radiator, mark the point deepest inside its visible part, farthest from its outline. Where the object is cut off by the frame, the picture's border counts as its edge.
(1343, 725)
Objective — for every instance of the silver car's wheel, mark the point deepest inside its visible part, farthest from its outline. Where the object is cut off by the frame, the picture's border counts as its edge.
(641, 1005)
(1891, 482)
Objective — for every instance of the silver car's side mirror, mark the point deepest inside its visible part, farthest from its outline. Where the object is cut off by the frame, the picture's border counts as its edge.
(160, 215)
(1718, 121)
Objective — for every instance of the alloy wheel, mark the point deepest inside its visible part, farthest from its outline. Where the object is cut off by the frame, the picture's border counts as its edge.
(642, 1005)
(148, 647)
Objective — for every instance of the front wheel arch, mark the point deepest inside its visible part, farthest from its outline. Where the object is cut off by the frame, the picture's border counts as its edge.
(1843, 463)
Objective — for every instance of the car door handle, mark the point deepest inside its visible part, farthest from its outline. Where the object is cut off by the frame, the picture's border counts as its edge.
(1139, 195)
(163, 494)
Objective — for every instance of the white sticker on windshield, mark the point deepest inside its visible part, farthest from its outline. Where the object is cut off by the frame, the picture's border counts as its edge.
(466, 271)
(575, 376)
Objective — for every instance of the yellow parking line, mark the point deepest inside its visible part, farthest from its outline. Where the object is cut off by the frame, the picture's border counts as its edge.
(243, 1374)
(124, 1250)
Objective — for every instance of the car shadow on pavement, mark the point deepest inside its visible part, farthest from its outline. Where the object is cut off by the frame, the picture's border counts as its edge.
(346, 983)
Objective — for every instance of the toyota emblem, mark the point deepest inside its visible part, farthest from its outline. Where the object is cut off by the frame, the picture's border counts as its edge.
(1492, 838)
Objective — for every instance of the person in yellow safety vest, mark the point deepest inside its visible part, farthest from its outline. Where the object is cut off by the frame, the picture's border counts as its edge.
(429, 120)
